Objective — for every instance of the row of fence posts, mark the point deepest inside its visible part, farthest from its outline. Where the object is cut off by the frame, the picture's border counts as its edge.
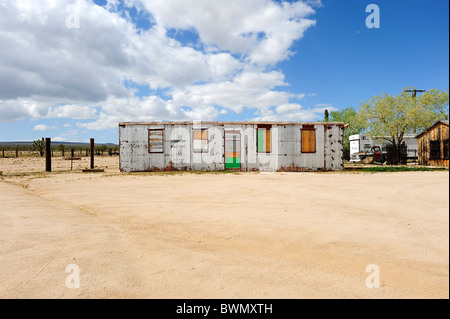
(48, 155)
(3, 152)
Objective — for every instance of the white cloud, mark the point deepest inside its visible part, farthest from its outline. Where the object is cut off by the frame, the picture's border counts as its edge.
(72, 111)
(324, 105)
(43, 127)
(59, 139)
(289, 112)
(248, 89)
(68, 136)
(288, 108)
(261, 30)
(52, 71)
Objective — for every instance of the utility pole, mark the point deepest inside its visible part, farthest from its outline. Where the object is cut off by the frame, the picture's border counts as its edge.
(414, 92)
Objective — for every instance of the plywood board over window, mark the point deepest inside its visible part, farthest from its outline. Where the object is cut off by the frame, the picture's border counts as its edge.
(308, 139)
(264, 139)
(200, 140)
(156, 141)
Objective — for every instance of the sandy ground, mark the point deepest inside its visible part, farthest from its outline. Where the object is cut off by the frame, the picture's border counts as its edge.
(247, 235)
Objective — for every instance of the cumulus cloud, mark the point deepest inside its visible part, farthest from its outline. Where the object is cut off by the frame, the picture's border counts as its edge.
(50, 70)
(261, 30)
(290, 112)
(43, 127)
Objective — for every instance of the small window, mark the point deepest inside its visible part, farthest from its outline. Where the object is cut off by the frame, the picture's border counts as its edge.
(156, 141)
(446, 150)
(308, 139)
(200, 140)
(263, 139)
(435, 149)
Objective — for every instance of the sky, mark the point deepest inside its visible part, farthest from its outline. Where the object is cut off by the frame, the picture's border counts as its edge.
(72, 70)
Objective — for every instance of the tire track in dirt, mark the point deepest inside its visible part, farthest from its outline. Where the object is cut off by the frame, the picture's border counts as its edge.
(6, 243)
(12, 223)
(63, 237)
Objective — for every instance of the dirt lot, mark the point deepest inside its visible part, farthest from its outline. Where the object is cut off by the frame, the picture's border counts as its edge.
(215, 235)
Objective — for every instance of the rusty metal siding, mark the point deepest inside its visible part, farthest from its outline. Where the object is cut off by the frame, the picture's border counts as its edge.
(334, 148)
(285, 141)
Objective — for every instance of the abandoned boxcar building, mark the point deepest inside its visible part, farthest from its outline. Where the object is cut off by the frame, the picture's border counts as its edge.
(214, 146)
(433, 145)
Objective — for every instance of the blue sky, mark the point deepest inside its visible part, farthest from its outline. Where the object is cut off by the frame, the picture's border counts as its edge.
(74, 69)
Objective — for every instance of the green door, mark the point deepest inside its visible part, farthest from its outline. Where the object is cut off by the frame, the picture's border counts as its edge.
(232, 150)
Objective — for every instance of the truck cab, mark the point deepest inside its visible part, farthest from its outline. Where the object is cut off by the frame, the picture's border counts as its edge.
(373, 151)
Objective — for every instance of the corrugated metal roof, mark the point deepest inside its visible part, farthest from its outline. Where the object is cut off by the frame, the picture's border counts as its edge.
(230, 123)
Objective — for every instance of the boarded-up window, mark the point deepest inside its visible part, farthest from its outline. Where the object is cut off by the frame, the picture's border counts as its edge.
(308, 139)
(200, 140)
(263, 139)
(446, 149)
(435, 149)
(156, 141)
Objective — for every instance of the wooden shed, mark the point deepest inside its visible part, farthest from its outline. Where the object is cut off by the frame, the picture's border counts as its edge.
(433, 145)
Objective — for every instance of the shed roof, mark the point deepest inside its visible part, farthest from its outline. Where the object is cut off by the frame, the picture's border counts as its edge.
(445, 122)
(230, 123)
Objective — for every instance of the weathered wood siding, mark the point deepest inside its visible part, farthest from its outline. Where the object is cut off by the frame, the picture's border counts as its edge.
(438, 132)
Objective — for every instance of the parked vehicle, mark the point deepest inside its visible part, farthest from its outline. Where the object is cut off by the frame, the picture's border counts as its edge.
(373, 152)
(359, 143)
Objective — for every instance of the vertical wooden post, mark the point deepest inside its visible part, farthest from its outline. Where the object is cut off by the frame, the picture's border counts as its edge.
(92, 153)
(48, 155)
(3, 152)
(17, 151)
(72, 152)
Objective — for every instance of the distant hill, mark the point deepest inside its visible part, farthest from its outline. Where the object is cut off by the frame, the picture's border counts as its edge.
(55, 143)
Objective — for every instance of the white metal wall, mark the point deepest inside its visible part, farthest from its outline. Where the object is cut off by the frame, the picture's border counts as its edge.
(179, 155)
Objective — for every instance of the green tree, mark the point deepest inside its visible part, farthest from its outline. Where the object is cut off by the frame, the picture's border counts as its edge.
(61, 148)
(39, 145)
(103, 148)
(327, 116)
(394, 116)
(349, 116)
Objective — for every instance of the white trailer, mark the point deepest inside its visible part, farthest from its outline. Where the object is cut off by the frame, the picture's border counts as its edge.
(362, 142)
